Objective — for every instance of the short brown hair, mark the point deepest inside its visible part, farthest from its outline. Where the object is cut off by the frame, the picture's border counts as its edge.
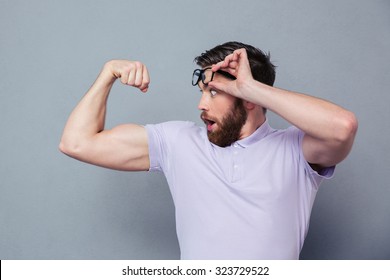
(262, 68)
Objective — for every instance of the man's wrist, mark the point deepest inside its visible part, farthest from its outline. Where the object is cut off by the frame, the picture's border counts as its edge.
(249, 90)
(107, 73)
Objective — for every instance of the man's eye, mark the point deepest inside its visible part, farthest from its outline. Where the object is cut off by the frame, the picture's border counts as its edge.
(213, 93)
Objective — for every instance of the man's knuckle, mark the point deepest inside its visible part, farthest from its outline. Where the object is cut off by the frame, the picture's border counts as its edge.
(137, 64)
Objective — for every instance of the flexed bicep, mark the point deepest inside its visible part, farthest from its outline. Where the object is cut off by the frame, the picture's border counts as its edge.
(124, 147)
(84, 138)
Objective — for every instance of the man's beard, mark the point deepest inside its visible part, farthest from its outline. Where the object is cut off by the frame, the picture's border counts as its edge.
(229, 129)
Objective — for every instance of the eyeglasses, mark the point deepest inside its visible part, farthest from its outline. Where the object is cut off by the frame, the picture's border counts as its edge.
(206, 76)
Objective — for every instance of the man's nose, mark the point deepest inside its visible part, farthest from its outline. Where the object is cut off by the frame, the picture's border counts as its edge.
(204, 102)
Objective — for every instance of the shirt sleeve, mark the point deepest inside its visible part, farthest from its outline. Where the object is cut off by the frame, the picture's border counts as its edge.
(316, 177)
(161, 141)
(156, 145)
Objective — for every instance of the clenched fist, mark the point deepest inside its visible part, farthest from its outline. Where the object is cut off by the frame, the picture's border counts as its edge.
(132, 73)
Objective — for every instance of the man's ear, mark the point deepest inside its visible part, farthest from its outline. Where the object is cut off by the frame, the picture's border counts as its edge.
(249, 105)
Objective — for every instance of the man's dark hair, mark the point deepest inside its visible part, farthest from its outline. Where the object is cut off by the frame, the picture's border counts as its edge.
(262, 68)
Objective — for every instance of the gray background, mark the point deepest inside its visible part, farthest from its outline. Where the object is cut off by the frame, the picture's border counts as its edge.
(53, 207)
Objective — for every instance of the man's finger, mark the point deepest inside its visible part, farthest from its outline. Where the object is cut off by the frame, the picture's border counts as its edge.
(138, 76)
(131, 79)
(124, 77)
(145, 80)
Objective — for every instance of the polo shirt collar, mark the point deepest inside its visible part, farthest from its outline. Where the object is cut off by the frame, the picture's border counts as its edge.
(256, 136)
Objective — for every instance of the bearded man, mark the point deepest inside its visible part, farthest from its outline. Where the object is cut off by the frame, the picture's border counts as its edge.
(241, 189)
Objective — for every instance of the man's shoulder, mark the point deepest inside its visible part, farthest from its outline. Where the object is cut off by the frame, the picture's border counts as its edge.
(272, 136)
(288, 132)
(175, 128)
(173, 125)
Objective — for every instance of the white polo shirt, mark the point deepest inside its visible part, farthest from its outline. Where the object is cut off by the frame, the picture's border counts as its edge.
(251, 200)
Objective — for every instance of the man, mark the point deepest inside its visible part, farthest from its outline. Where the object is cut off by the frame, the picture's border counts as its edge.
(241, 189)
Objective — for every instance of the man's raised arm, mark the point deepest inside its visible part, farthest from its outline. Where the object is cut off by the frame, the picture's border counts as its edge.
(329, 129)
(124, 147)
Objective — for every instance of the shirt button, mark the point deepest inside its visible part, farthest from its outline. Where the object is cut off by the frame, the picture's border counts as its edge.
(235, 166)
(235, 145)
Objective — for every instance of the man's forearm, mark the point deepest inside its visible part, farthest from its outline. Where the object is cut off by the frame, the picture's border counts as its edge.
(88, 117)
(318, 118)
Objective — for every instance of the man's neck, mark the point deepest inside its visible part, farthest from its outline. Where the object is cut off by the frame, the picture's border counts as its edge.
(254, 121)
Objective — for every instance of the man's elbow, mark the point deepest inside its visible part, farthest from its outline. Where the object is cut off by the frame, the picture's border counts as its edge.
(63, 148)
(70, 148)
(348, 127)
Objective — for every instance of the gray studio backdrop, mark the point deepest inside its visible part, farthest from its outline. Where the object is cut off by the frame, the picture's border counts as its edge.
(53, 207)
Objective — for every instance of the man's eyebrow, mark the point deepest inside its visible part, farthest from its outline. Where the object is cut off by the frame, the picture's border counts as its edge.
(204, 87)
(226, 74)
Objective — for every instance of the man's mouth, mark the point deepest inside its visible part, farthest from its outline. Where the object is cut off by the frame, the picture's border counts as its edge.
(210, 123)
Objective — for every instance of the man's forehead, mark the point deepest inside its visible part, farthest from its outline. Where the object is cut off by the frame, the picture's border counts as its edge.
(209, 74)
(202, 86)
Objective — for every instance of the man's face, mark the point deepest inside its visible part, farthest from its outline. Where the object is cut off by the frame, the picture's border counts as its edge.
(223, 114)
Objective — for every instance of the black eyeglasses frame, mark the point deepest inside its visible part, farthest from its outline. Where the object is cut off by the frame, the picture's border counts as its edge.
(201, 76)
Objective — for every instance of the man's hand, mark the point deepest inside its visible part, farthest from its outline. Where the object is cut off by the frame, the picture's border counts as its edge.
(132, 73)
(236, 64)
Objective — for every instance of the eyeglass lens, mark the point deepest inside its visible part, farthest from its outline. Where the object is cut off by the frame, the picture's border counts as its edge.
(204, 75)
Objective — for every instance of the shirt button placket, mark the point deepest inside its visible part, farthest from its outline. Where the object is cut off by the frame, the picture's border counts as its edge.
(236, 166)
